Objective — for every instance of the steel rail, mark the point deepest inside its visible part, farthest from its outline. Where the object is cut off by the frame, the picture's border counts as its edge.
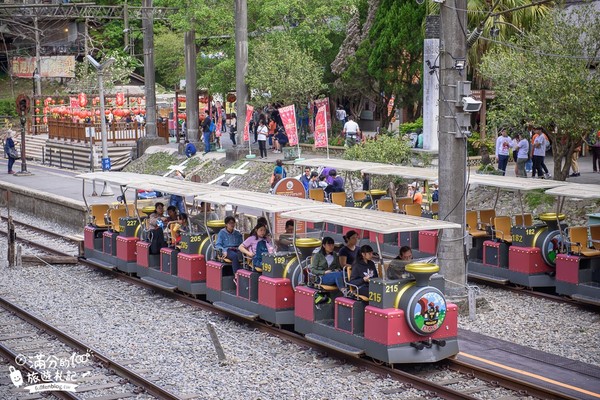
(150, 387)
(409, 380)
(9, 355)
(527, 388)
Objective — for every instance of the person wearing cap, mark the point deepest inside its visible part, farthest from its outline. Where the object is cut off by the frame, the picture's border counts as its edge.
(11, 152)
(337, 185)
(413, 191)
(435, 195)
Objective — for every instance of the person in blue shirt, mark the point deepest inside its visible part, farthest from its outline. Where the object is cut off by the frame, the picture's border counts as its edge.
(190, 149)
(305, 179)
(228, 243)
(435, 195)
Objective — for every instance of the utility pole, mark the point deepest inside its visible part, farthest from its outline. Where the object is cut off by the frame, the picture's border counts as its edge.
(191, 92)
(38, 64)
(126, 46)
(453, 152)
(241, 64)
(151, 138)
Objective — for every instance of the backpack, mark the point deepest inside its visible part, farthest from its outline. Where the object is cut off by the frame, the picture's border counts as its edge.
(213, 127)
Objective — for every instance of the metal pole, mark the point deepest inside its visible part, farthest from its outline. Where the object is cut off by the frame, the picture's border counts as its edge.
(241, 64)
(106, 191)
(23, 159)
(149, 73)
(452, 161)
(38, 46)
(191, 93)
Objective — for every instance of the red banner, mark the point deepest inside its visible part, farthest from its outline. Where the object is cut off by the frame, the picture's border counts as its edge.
(321, 127)
(391, 105)
(249, 111)
(219, 121)
(325, 102)
(288, 117)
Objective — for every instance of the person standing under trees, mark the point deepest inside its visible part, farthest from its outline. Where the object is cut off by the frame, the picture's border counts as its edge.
(522, 155)
(538, 152)
(340, 114)
(233, 129)
(351, 132)
(594, 143)
(11, 151)
(261, 137)
(206, 132)
(574, 163)
(502, 150)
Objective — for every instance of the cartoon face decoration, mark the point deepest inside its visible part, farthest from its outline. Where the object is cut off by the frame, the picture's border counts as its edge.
(426, 311)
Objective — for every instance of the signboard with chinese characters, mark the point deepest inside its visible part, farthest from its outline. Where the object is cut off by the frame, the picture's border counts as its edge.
(51, 67)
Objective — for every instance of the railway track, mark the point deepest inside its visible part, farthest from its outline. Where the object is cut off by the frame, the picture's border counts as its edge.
(477, 380)
(29, 344)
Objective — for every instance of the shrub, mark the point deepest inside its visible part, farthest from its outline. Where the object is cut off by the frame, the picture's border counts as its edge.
(474, 144)
(385, 149)
(8, 108)
(408, 127)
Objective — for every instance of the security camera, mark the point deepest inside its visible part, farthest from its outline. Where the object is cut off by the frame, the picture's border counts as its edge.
(471, 105)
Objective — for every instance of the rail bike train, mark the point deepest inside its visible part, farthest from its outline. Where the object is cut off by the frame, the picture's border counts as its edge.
(541, 252)
(404, 320)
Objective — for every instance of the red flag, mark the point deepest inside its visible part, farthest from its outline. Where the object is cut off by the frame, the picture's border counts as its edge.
(288, 117)
(325, 102)
(249, 111)
(321, 127)
(391, 105)
(219, 121)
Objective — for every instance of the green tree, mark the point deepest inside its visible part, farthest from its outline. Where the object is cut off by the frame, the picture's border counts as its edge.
(396, 58)
(86, 77)
(279, 70)
(168, 58)
(546, 78)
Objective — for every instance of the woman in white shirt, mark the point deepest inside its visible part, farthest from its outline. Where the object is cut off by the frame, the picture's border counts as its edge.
(261, 133)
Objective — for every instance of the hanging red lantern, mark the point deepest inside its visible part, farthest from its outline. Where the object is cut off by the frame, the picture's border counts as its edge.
(46, 109)
(82, 99)
(106, 112)
(143, 111)
(37, 102)
(181, 116)
(37, 110)
(120, 100)
(45, 119)
(61, 101)
(37, 120)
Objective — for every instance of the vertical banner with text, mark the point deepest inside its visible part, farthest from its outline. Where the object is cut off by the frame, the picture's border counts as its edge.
(321, 127)
(249, 111)
(288, 117)
(219, 120)
(324, 102)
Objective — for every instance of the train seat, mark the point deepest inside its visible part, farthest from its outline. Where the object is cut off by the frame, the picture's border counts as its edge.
(434, 207)
(115, 214)
(359, 195)
(97, 213)
(386, 205)
(339, 198)
(486, 218)
(413, 209)
(595, 236)
(523, 219)
(404, 201)
(501, 229)
(316, 194)
(473, 225)
(578, 239)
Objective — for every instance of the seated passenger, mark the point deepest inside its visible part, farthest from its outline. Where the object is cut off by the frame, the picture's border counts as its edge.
(205, 214)
(396, 270)
(156, 219)
(349, 252)
(415, 193)
(326, 264)
(337, 185)
(286, 239)
(172, 214)
(228, 241)
(363, 270)
(322, 182)
(257, 244)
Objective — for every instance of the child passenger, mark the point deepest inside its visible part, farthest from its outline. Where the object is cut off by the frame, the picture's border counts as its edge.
(363, 270)
(257, 244)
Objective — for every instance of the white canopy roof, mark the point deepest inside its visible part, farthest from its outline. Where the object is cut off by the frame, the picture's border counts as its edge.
(176, 186)
(403, 172)
(262, 201)
(337, 164)
(576, 190)
(372, 220)
(513, 183)
(117, 178)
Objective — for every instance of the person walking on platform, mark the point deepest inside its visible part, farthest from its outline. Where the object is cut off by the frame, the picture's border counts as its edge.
(206, 132)
(594, 143)
(11, 151)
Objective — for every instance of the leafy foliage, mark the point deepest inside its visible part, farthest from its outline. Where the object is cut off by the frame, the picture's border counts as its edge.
(8, 108)
(408, 127)
(280, 71)
(537, 198)
(545, 78)
(118, 72)
(169, 58)
(385, 149)
(475, 143)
